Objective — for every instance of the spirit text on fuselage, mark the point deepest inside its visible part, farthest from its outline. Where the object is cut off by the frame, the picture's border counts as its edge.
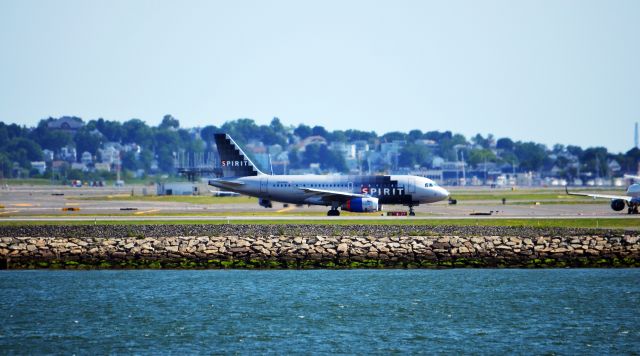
(374, 191)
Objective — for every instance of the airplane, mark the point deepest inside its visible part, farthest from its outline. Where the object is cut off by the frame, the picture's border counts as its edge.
(618, 202)
(354, 193)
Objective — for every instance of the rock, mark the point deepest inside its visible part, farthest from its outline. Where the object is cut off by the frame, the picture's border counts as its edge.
(173, 249)
(119, 255)
(444, 240)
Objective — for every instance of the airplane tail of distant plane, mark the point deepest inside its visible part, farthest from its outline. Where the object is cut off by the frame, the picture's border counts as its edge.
(233, 161)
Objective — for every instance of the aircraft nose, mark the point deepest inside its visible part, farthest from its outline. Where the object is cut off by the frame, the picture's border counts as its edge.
(443, 193)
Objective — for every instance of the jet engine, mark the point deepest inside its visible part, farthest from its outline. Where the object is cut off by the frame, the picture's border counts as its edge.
(361, 205)
(265, 202)
(617, 204)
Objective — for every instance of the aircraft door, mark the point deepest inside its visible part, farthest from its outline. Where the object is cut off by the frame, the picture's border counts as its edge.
(411, 185)
(264, 185)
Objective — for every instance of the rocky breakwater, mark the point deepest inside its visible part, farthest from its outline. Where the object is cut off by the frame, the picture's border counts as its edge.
(312, 246)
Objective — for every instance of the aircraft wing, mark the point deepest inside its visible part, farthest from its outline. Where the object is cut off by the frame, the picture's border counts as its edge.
(631, 176)
(332, 195)
(601, 196)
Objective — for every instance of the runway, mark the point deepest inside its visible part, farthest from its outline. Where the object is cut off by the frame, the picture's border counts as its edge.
(46, 203)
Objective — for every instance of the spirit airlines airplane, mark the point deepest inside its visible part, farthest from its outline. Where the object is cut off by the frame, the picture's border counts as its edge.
(350, 193)
(618, 202)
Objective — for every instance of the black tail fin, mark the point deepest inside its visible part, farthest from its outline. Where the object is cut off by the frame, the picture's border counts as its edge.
(233, 161)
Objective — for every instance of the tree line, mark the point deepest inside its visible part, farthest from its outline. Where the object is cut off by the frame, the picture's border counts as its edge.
(20, 145)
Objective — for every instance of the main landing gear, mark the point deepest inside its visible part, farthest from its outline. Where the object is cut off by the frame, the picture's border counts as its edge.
(334, 209)
(633, 210)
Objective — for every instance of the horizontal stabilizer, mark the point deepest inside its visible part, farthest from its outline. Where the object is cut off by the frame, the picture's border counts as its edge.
(216, 182)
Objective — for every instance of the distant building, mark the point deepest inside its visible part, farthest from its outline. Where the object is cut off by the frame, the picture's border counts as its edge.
(614, 166)
(79, 166)
(311, 140)
(274, 149)
(102, 167)
(177, 188)
(48, 155)
(110, 154)
(58, 165)
(361, 145)
(280, 163)
(392, 148)
(437, 162)
(86, 158)
(132, 147)
(347, 151)
(68, 154)
(433, 174)
(428, 143)
(66, 123)
(41, 166)
(391, 152)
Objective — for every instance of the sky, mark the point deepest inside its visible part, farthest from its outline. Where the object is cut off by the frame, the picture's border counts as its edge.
(549, 71)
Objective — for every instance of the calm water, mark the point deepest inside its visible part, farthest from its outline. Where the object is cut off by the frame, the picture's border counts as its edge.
(359, 311)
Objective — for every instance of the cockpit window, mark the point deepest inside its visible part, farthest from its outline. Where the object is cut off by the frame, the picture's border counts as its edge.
(430, 184)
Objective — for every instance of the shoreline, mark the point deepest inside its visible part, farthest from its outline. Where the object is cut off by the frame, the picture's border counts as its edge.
(312, 246)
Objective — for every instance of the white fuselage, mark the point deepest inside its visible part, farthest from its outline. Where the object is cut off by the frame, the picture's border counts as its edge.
(634, 190)
(393, 189)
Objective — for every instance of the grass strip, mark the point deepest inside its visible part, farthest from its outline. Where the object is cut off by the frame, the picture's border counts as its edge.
(632, 223)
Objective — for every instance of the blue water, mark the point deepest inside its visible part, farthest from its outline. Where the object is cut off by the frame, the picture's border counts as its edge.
(563, 311)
